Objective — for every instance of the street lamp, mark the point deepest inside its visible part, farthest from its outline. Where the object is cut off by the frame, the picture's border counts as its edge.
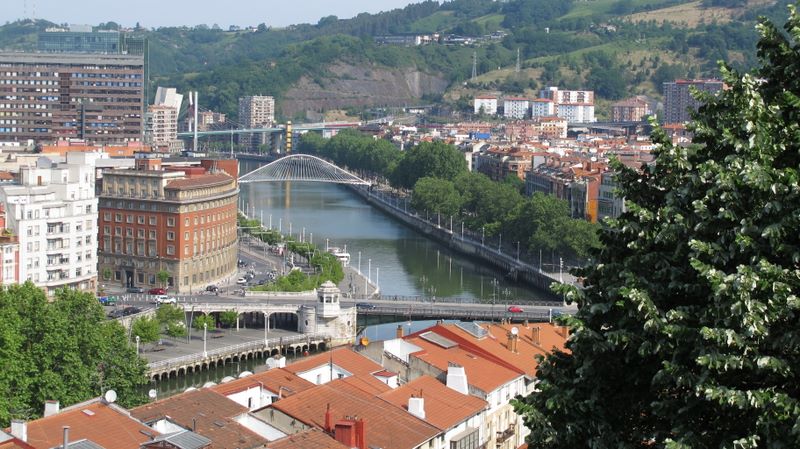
(500, 244)
(266, 330)
(205, 330)
(483, 234)
(517, 250)
(137, 345)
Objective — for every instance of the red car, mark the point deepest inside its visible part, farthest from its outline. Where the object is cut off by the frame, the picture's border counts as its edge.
(157, 291)
(515, 309)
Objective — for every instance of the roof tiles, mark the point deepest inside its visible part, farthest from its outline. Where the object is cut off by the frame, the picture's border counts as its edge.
(444, 407)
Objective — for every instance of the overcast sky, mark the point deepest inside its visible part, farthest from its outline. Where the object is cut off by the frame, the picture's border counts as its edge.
(155, 13)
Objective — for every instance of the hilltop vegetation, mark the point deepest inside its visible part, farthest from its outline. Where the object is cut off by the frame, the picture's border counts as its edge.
(616, 47)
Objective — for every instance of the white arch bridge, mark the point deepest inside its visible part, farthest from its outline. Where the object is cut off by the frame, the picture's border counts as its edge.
(302, 167)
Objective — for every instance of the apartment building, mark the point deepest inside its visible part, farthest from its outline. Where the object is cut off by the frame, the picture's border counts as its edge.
(516, 107)
(575, 106)
(678, 100)
(255, 112)
(485, 104)
(630, 110)
(165, 217)
(9, 252)
(53, 211)
(45, 97)
(161, 121)
(543, 107)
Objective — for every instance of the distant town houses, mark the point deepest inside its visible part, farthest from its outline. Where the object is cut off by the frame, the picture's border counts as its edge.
(575, 106)
(416, 39)
(446, 386)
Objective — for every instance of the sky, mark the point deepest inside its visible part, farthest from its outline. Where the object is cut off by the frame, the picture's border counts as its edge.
(156, 13)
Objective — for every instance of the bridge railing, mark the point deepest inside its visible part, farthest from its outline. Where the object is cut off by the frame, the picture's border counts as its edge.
(449, 300)
(231, 349)
(438, 313)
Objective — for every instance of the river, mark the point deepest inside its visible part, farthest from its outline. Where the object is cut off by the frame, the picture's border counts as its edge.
(401, 260)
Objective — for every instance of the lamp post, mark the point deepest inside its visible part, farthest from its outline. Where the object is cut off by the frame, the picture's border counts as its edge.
(137, 345)
(266, 330)
(205, 330)
(377, 277)
(495, 283)
(483, 234)
(500, 243)
(517, 250)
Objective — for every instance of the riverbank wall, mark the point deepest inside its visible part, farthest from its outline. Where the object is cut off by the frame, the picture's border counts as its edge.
(515, 269)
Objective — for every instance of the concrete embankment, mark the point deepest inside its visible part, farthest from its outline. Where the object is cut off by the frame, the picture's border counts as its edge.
(515, 269)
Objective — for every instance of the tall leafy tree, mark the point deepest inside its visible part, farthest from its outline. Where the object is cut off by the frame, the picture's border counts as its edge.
(429, 159)
(63, 350)
(687, 333)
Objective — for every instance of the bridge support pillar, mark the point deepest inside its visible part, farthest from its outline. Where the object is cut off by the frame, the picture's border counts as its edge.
(237, 322)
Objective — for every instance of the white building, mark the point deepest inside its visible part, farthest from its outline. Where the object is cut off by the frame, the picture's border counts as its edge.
(255, 112)
(576, 112)
(543, 107)
(485, 104)
(53, 210)
(161, 120)
(515, 107)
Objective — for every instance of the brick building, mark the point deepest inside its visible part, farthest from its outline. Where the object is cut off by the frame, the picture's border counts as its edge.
(631, 110)
(678, 100)
(176, 218)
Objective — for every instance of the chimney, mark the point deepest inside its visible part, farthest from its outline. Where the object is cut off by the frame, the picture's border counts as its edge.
(50, 408)
(328, 419)
(510, 341)
(361, 433)
(399, 333)
(66, 438)
(535, 335)
(416, 406)
(19, 429)
(457, 378)
(346, 433)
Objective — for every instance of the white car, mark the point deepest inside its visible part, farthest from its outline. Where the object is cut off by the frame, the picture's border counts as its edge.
(164, 299)
(241, 281)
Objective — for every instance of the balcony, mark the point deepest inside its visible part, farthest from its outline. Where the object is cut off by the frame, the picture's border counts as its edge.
(504, 435)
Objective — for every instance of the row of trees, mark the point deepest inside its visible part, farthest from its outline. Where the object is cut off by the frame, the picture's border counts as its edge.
(64, 350)
(171, 321)
(437, 173)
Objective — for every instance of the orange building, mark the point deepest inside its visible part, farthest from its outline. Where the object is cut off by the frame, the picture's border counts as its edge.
(181, 220)
(62, 147)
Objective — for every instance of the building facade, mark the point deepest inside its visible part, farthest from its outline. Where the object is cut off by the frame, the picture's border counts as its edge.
(161, 128)
(176, 219)
(82, 39)
(9, 252)
(575, 106)
(486, 105)
(514, 107)
(53, 211)
(47, 97)
(631, 110)
(255, 112)
(678, 100)
(543, 107)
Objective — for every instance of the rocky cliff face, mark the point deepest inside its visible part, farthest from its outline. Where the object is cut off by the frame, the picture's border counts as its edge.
(360, 86)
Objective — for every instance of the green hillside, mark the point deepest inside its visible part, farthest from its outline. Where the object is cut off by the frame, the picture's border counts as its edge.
(616, 47)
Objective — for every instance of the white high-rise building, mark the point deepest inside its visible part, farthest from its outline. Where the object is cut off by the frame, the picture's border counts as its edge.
(255, 112)
(486, 104)
(161, 121)
(53, 210)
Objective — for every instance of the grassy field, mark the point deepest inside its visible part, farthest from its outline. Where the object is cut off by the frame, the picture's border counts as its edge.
(435, 22)
(590, 8)
(491, 22)
(692, 14)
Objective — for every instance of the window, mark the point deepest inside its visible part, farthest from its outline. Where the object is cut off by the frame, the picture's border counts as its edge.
(170, 250)
(106, 230)
(140, 233)
(128, 232)
(152, 220)
(185, 250)
(170, 235)
(107, 216)
(152, 234)
(89, 209)
(118, 218)
(186, 221)
(170, 221)
(118, 231)
(140, 219)
(129, 218)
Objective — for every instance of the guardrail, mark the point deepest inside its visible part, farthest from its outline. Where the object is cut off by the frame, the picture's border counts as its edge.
(214, 353)
(435, 312)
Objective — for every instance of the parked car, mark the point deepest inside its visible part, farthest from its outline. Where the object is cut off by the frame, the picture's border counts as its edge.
(515, 309)
(134, 290)
(116, 313)
(212, 288)
(130, 311)
(241, 281)
(157, 291)
(108, 300)
(164, 299)
(365, 306)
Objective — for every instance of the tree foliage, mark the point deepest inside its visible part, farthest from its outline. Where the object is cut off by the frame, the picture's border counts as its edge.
(63, 350)
(687, 331)
(429, 160)
(146, 328)
(204, 320)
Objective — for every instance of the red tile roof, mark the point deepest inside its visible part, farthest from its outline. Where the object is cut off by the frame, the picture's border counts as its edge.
(273, 380)
(344, 358)
(444, 407)
(109, 426)
(15, 443)
(387, 426)
(198, 182)
(309, 439)
(208, 413)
